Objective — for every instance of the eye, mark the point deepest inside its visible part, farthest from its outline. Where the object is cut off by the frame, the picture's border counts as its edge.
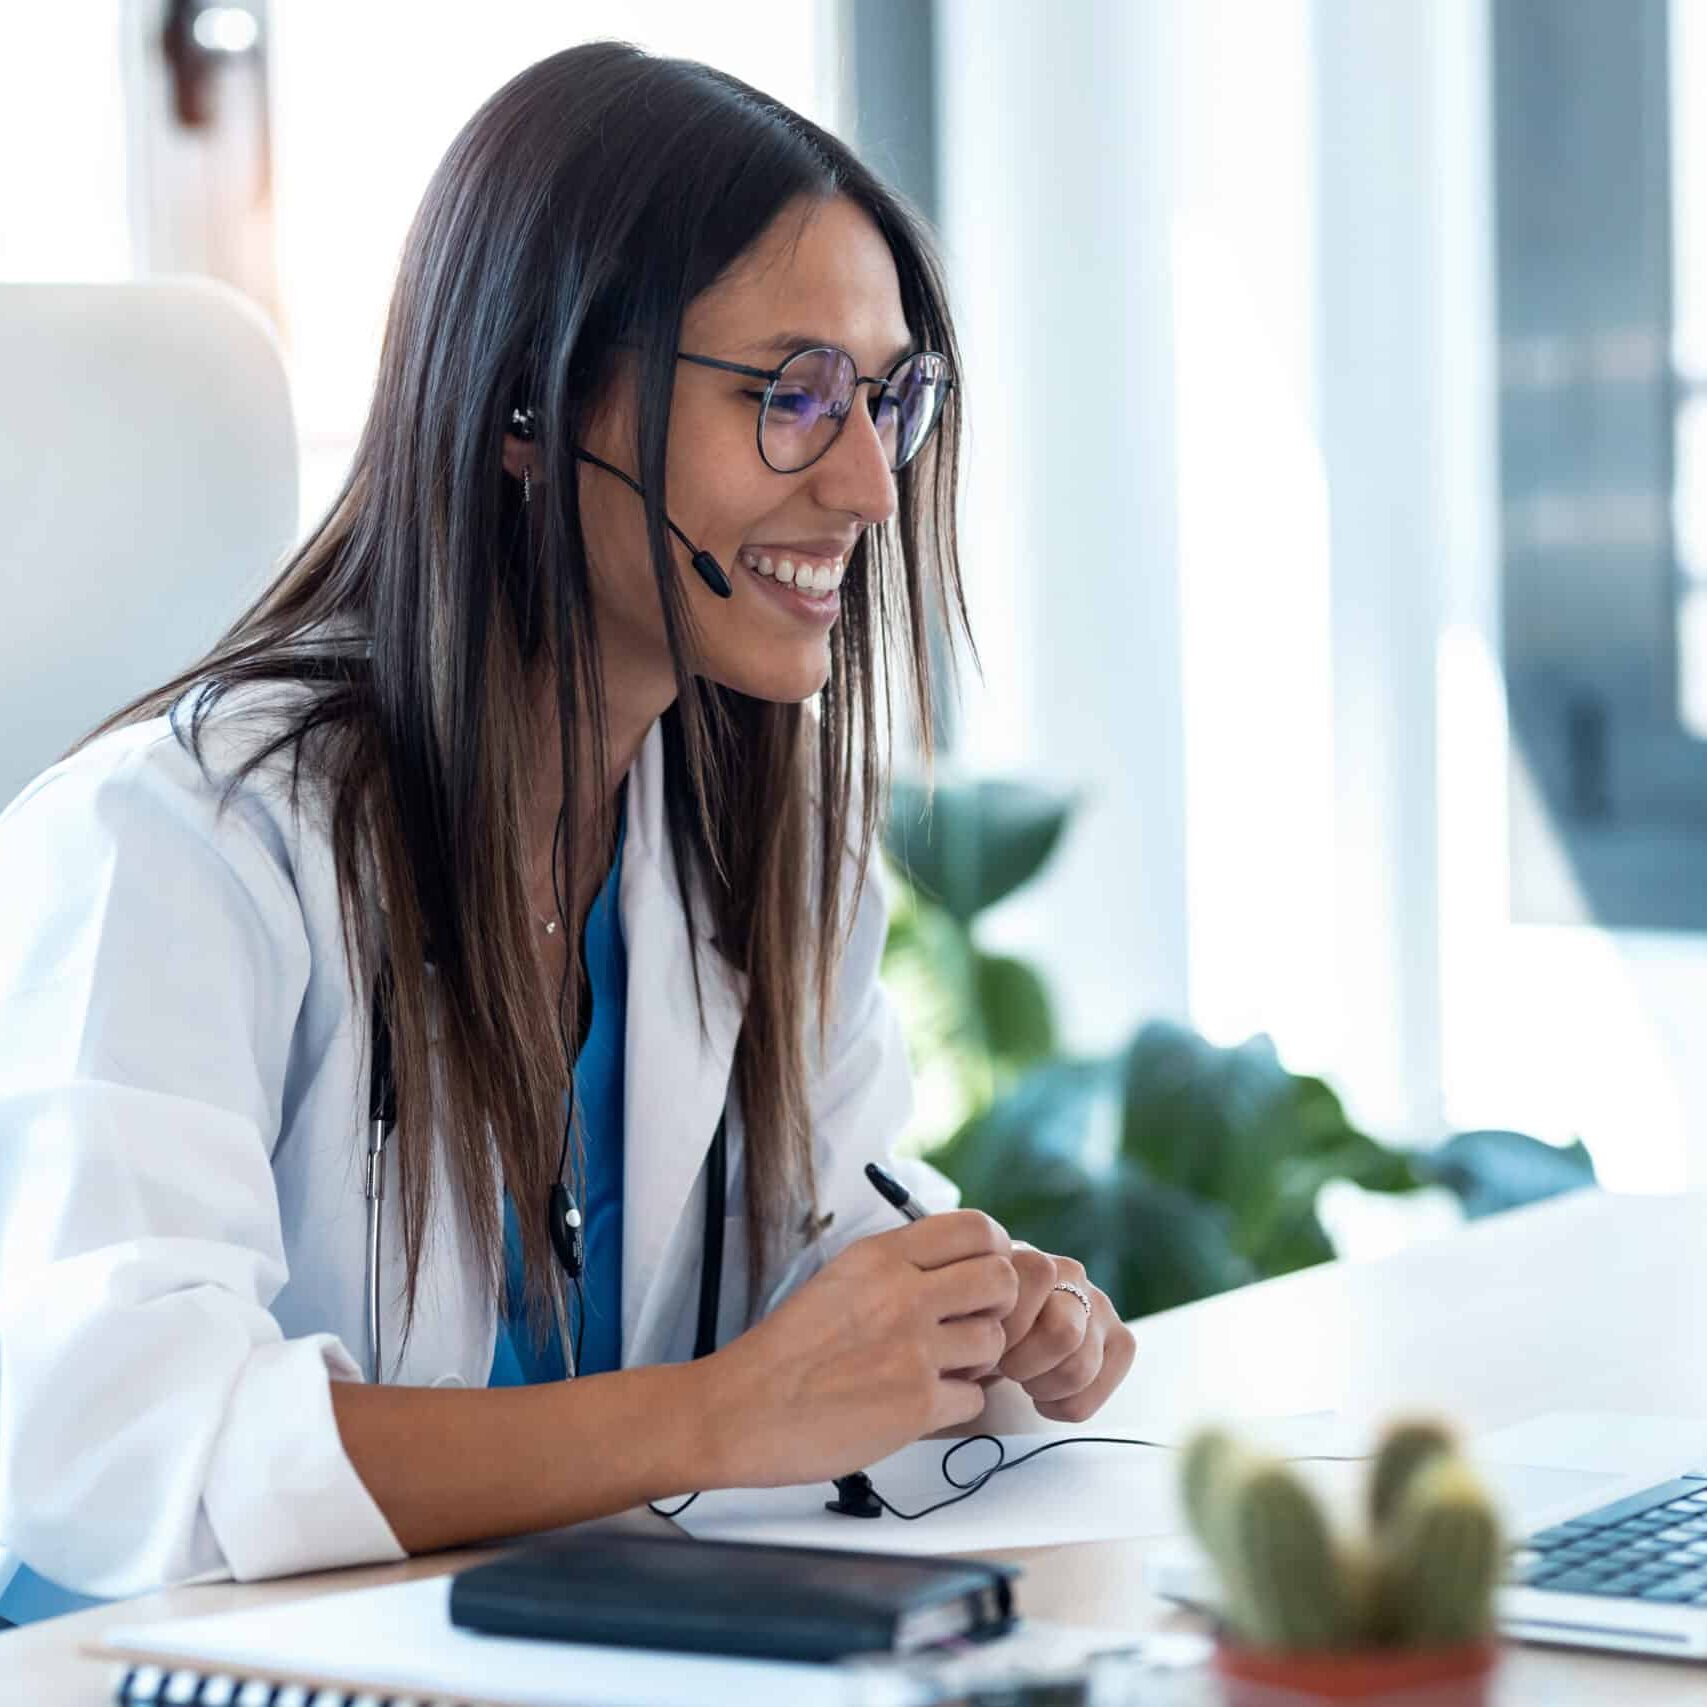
(793, 405)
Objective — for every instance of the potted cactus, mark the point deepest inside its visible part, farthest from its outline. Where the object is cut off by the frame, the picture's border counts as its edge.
(1402, 1611)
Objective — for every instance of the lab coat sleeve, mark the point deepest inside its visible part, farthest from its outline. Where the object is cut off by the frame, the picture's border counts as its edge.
(864, 1089)
(155, 1424)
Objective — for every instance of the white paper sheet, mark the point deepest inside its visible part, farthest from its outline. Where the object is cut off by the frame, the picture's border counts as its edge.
(1084, 1491)
(1609, 1442)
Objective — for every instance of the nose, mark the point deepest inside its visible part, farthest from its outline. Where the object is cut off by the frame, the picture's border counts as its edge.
(854, 473)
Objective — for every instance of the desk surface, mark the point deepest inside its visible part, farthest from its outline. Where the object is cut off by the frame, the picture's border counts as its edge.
(1583, 1303)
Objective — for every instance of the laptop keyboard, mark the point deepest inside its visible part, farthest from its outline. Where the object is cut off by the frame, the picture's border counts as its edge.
(1651, 1546)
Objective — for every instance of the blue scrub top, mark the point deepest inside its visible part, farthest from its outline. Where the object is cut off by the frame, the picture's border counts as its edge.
(518, 1360)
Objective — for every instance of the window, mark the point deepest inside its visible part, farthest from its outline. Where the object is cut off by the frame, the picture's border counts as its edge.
(1601, 186)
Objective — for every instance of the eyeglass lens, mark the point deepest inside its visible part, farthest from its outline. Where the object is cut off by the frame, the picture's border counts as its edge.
(814, 392)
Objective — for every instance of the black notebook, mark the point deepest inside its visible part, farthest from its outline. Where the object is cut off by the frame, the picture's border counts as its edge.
(733, 1597)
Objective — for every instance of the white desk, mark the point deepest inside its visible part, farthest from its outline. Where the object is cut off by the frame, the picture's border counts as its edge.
(1586, 1303)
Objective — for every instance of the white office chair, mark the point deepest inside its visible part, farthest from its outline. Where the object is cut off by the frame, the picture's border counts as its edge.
(148, 486)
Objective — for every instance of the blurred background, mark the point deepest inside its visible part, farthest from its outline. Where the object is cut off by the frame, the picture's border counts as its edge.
(1335, 529)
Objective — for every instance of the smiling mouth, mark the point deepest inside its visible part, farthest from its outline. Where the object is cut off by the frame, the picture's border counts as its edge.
(812, 578)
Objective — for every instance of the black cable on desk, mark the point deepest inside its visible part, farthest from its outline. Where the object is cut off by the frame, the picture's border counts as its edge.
(1003, 1462)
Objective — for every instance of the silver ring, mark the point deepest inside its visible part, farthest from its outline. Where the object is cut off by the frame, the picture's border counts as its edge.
(1077, 1291)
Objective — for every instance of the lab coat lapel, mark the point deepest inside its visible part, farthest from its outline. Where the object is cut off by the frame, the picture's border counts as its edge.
(674, 1077)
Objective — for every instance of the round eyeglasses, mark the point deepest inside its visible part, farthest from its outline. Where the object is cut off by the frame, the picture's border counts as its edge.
(806, 403)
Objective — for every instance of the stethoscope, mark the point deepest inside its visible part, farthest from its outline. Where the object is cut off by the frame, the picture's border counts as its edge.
(564, 1212)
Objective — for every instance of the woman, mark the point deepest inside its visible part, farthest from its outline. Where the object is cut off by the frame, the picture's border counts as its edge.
(539, 679)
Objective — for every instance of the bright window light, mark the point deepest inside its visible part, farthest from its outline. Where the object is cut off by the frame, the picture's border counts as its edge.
(225, 29)
(63, 212)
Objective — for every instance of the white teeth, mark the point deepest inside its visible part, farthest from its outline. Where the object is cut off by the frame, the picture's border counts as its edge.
(814, 580)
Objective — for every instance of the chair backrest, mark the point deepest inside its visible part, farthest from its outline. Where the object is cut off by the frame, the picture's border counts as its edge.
(148, 486)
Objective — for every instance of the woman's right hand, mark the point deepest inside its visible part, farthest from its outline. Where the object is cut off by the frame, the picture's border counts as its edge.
(883, 1345)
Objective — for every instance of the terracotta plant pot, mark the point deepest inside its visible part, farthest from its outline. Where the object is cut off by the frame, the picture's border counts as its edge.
(1404, 1677)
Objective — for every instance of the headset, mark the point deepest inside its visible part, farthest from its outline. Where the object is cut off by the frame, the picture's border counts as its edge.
(562, 1212)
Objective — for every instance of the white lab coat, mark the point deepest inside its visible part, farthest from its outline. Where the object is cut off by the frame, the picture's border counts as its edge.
(183, 1086)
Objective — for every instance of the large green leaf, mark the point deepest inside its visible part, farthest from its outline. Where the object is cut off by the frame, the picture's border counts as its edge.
(1018, 1025)
(1233, 1127)
(1191, 1108)
(1493, 1170)
(1171, 1248)
(968, 845)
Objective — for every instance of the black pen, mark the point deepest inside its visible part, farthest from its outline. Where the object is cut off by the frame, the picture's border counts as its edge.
(892, 1191)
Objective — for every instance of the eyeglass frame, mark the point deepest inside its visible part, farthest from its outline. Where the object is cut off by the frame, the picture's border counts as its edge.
(772, 375)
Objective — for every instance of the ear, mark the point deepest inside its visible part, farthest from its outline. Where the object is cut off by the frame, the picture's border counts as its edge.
(519, 454)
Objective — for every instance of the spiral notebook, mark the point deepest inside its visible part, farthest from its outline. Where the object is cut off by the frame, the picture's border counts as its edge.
(396, 1647)
(392, 1646)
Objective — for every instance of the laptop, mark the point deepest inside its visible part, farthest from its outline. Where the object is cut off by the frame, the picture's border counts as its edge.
(1620, 1565)
(1628, 1574)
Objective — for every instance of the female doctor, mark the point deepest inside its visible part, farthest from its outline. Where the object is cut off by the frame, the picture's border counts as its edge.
(440, 1031)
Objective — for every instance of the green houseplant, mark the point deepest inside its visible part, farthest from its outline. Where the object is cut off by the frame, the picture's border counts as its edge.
(1173, 1168)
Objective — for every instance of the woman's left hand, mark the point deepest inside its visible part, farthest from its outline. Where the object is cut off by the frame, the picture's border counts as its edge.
(1066, 1358)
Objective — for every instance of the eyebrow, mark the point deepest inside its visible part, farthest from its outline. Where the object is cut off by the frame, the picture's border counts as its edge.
(789, 343)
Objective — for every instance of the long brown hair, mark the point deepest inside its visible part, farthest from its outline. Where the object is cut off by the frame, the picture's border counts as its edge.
(584, 205)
